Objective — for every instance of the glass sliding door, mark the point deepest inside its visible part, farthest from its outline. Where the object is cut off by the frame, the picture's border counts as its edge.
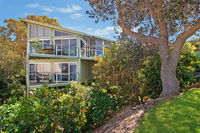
(61, 72)
(66, 47)
(73, 47)
(32, 74)
(40, 72)
(65, 72)
(73, 72)
(58, 47)
(99, 48)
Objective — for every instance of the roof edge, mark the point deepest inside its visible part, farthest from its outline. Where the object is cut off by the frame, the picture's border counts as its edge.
(63, 29)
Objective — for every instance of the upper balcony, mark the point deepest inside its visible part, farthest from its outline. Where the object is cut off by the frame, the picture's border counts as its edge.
(58, 42)
(65, 48)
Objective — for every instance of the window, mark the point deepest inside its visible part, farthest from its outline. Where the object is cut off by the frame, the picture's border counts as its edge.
(40, 72)
(37, 31)
(66, 47)
(73, 72)
(65, 72)
(46, 44)
(99, 48)
(58, 33)
(73, 47)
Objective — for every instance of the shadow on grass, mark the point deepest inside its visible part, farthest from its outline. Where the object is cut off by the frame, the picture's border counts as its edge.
(178, 115)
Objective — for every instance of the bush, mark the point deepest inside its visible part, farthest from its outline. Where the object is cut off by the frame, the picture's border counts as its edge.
(117, 70)
(54, 110)
(101, 105)
(149, 77)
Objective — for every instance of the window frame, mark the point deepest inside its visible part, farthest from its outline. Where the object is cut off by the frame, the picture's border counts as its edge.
(68, 74)
(69, 42)
(49, 64)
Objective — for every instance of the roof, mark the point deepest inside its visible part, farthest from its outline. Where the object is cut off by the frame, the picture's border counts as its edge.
(63, 29)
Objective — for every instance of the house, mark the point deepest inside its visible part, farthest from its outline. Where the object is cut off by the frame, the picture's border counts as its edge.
(63, 56)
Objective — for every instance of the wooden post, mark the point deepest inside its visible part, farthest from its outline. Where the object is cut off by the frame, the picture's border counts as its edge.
(27, 63)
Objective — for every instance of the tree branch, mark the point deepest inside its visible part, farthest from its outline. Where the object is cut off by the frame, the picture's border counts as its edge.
(189, 30)
(156, 13)
(127, 29)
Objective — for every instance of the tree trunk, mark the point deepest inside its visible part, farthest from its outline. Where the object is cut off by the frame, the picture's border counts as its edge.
(170, 83)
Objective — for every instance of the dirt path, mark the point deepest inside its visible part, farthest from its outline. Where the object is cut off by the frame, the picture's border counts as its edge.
(127, 120)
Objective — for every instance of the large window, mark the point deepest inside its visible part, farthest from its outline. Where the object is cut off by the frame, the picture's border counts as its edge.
(66, 47)
(37, 31)
(99, 48)
(58, 33)
(45, 44)
(65, 72)
(40, 72)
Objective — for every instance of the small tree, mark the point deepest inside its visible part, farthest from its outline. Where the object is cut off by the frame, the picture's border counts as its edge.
(165, 24)
(117, 71)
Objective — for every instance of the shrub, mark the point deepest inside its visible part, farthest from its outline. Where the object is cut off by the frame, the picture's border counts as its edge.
(50, 110)
(101, 105)
(116, 71)
(55, 110)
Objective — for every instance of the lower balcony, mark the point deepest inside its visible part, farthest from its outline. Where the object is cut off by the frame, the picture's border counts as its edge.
(52, 73)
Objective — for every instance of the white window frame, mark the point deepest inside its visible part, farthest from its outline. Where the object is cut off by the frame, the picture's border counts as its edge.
(42, 70)
(77, 45)
(37, 32)
(99, 50)
(69, 63)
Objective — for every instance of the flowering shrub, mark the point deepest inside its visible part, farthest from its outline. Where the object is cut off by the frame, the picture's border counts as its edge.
(53, 110)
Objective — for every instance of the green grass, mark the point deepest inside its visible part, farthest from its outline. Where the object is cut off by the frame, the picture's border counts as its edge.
(178, 115)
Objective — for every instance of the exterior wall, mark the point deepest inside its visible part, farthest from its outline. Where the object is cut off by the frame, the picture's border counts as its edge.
(86, 70)
(84, 63)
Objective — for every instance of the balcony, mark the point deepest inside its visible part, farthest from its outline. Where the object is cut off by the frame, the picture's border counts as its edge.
(57, 73)
(65, 48)
(54, 50)
(91, 52)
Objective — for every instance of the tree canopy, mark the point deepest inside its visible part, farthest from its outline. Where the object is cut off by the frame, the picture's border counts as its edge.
(164, 24)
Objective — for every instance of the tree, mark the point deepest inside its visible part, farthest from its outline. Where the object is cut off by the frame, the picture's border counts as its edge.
(120, 78)
(13, 42)
(164, 24)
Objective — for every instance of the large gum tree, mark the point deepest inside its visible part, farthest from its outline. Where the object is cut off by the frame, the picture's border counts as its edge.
(164, 24)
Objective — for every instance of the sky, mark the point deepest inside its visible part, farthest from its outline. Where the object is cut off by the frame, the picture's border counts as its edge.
(69, 13)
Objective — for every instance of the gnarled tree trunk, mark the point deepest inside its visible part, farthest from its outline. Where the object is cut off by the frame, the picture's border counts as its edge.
(169, 61)
(170, 83)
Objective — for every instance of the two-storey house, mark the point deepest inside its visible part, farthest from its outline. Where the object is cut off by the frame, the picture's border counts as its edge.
(64, 55)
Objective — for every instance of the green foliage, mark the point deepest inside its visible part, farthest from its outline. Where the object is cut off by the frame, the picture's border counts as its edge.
(13, 39)
(150, 73)
(101, 105)
(149, 77)
(178, 115)
(116, 71)
(189, 63)
(37, 45)
(55, 110)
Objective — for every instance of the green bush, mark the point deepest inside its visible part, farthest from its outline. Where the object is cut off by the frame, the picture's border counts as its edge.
(149, 77)
(55, 110)
(101, 105)
(117, 70)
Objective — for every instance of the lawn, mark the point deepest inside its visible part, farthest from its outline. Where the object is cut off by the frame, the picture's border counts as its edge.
(178, 115)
